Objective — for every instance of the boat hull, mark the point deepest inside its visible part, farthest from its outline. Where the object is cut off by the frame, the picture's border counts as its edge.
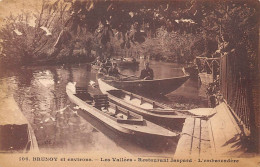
(16, 133)
(124, 129)
(150, 87)
(124, 140)
(168, 118)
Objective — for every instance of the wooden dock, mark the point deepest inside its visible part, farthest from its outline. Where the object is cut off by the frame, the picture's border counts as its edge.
(219, 135)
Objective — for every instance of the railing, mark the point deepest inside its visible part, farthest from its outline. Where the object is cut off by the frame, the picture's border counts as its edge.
(235, 91)
(206, 64)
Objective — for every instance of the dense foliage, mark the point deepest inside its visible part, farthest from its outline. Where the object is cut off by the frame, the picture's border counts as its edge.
(27, 36)
(192, 28)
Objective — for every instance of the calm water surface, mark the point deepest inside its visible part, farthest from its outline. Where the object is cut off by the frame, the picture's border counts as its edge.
(40, 94)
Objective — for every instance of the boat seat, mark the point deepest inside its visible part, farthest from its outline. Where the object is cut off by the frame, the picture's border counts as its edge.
(100, 101)
(81, 90)
(128, 116)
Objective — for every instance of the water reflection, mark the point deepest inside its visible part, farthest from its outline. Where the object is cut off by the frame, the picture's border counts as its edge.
(40, 94)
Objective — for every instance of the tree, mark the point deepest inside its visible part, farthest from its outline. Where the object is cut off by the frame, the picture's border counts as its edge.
(132, 23)
(27, 37)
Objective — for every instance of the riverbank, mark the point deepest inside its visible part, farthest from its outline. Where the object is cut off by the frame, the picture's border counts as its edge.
(48, 61)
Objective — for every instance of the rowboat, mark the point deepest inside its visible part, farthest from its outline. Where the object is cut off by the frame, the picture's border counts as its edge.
(17, 135)
(148, 87)
(148, 104)
(18, 138)
(126, 62)
(151, 110)
(115, 117)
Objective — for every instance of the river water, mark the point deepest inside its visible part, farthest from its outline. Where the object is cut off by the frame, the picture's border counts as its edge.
(40, 95)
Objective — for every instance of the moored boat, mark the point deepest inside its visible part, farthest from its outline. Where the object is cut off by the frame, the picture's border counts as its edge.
(17, 135)
(148, 104)
(148, 87)
(148, 108)
(115, 117)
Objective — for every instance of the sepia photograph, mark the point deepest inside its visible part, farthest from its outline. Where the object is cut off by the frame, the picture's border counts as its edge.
(129, 83)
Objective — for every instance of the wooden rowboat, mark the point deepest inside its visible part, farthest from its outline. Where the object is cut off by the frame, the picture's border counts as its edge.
(17, 135)
(148, 108)
(115, 117)
(145, 103)
(148, 87)
(126, 62)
